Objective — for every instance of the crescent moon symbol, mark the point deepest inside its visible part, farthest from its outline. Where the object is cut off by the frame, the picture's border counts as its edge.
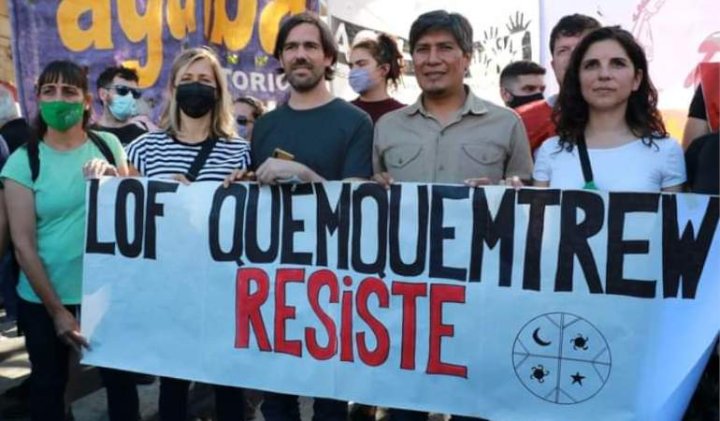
(538, 340)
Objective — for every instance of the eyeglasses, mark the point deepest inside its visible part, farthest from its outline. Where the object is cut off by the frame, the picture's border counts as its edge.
(243, 121)
(123, 90)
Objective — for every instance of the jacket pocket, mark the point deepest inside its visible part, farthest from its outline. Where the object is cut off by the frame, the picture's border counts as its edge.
(482, 161)
(401, 156)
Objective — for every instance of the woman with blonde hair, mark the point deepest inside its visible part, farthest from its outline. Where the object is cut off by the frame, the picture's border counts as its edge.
(197, 142)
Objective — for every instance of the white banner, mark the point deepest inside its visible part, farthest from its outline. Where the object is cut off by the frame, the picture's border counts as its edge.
(528, 305)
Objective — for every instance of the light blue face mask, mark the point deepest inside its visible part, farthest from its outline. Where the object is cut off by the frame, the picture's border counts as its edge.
(360, 80)
(123, 107)
(242, 131)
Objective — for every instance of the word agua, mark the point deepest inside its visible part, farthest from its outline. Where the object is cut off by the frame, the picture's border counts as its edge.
(88, 24)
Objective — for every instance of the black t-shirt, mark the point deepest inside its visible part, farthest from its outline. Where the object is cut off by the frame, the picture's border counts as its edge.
(697, 105)
(701, 160)
(334, 140)
(126, 133)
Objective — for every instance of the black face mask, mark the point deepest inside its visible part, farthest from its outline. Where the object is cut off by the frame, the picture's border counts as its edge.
(517, 101)
(196, 99)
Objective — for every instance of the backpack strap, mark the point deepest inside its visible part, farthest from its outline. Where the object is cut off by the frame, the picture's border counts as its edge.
(4, 151)
(585, 164)
(102, 146)
(33, 151)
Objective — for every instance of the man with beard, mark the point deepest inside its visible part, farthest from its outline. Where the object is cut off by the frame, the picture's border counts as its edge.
(312, 138)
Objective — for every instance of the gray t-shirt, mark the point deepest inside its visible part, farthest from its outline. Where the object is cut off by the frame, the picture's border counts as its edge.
(334, 140)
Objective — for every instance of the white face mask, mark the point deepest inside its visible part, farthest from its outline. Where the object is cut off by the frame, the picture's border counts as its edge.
(123, 107)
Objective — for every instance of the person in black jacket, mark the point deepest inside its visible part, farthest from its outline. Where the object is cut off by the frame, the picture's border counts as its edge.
(14, 131)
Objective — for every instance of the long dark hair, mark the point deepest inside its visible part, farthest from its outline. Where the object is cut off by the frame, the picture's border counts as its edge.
(384, 49)
(70, 74)
(571, 112)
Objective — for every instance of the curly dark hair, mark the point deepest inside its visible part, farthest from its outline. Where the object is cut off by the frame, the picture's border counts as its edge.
(571, 112)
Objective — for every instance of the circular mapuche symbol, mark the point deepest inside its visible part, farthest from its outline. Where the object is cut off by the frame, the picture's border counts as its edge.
(561, 358)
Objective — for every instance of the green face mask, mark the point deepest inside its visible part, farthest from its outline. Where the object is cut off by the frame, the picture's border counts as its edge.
(61, 115)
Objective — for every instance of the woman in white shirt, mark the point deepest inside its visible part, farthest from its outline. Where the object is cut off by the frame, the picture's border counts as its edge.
(611, 136)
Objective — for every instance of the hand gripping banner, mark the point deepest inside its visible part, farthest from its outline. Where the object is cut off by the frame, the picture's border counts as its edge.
(535, 304)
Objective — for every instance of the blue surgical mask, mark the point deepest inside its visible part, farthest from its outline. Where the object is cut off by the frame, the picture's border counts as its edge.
(123, 107)
(242, 131)
(360, 80)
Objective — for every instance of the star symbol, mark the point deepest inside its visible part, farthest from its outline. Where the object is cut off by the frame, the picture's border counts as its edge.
(577, 378)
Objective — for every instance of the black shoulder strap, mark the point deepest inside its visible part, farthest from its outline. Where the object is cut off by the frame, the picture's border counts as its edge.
(33, 151)
(585, 164)
(200, 159)
(102, 146)
(4, 151)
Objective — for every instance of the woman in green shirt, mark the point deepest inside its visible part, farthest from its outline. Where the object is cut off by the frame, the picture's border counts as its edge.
(45, 196)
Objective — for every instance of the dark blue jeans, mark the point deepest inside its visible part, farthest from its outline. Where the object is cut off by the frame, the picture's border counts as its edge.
(9, 273)
(229, 401)
(122, 395)
(281, 407)
(49, 358)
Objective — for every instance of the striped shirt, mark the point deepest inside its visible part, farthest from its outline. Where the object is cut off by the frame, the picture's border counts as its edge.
(159, 155)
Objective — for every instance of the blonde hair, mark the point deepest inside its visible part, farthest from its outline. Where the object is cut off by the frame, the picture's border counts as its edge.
(223, 122)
